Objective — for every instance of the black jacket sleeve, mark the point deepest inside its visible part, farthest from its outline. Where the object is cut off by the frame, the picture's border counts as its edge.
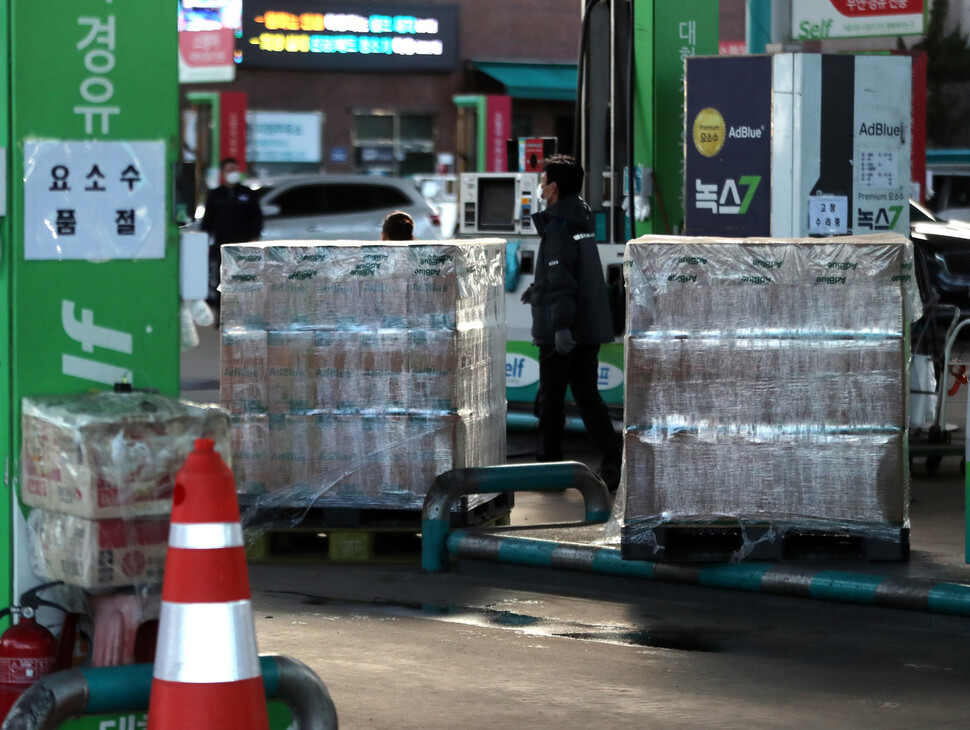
(562, 258)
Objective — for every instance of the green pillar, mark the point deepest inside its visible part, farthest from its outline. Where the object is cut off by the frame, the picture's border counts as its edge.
(213, 100)
(757, 26)
(666, 33)
(90, 255)
(478, 103)
(6, 435)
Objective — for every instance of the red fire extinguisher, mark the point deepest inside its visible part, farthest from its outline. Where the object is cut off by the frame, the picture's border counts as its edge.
(28, 651)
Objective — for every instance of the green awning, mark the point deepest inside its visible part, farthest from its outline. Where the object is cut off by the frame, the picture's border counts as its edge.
(533, 80)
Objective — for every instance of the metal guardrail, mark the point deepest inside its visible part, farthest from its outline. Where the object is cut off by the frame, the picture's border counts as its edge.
(58, 696)
(547, 477)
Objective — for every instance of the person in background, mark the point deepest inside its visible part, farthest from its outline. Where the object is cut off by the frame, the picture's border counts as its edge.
(570, 318)
(232, 215)
(398, 226)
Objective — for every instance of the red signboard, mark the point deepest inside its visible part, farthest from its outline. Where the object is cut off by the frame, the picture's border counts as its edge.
(232, 126)
(207, 48)
(534, 154)
(498, 128)
(863, 8)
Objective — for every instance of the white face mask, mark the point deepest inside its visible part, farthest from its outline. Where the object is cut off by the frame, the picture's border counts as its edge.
(233, 177)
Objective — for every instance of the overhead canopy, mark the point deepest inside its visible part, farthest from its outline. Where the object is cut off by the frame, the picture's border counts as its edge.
(555, 81)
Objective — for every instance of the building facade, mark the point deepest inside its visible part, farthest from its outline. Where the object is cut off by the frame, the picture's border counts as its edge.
(382, 108)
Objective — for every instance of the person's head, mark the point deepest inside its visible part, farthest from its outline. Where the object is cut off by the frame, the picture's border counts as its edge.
(398, 226)
(229, 168)
(561, 177)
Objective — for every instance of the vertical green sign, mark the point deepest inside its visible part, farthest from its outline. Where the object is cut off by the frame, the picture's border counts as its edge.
(666, 34)
(6, 547)
(92, 252)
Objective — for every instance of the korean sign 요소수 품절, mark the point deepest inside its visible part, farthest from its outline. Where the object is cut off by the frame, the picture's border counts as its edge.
(94, 201)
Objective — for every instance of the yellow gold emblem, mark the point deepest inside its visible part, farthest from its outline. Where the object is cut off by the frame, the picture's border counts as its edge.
(709, 131)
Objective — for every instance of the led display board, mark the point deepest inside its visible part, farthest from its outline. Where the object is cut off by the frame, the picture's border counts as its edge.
(406, 37)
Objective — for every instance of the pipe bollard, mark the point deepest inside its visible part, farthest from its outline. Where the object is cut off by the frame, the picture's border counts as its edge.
(546, 477)
(103, 690)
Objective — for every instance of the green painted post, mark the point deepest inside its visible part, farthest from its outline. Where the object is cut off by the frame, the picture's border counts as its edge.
(666, 33)
(478, 103)
(91, 250)
(758, 25)
(6, 547)
(214, 101)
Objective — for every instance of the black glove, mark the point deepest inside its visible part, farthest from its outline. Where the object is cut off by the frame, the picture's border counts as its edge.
(526, 297)
(564, 342)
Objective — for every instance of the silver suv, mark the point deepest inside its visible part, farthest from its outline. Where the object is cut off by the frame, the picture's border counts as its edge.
(335, 207)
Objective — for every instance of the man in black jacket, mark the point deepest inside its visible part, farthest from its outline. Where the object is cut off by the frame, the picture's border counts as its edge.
(570, 317)
(232, 215)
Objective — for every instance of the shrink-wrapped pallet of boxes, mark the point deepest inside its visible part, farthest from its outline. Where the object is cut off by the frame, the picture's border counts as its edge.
(766, 397)
(356, 373)
(98, 471)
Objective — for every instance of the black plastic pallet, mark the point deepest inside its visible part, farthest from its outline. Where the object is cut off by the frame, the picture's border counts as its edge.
(722, 543)
(279, 514)
(384, 542)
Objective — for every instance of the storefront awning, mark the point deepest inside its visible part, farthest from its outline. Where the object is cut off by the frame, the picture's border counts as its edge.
(533, 80)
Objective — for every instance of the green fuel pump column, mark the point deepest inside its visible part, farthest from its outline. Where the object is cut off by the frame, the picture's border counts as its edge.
(89, 248)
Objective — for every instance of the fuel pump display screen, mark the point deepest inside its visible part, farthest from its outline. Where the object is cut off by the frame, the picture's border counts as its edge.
(496, 204)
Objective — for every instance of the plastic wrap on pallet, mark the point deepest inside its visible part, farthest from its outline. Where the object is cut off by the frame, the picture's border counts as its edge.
(111, 455)
(704, 472)
(765, 383)
(368, 370)
(97, 554)
(846, 285)
(360, 460)
(771, 381)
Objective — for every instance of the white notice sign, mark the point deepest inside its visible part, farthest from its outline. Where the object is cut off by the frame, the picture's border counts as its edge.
(828, 215)
(94, 200)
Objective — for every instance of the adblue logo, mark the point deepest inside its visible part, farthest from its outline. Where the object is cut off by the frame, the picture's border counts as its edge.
(746, 132)
(520, 370)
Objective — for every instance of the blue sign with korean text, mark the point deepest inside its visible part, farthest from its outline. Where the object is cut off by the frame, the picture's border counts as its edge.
(728, 139)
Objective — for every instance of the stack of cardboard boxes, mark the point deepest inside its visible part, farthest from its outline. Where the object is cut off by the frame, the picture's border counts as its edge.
(98, 472)
(766, 385)
(356, 373)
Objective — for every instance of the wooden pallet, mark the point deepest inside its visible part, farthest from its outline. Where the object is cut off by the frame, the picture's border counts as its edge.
(384, 544)
(352, 534)
(722, 542)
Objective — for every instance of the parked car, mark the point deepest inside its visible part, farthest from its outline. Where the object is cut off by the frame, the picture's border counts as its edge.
(950, 192)
(441, 191)
(942, 249)
(336, 207)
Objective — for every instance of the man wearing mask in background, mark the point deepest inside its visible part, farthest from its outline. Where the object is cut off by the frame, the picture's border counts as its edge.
(570, 318)
(232, 215)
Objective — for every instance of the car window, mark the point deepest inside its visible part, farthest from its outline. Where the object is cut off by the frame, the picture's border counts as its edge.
(349, 198)
(384, 196)
(302, 200)
(315, 199)
(362, 198)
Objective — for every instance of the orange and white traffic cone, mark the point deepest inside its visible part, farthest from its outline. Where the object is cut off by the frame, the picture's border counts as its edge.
(207, 673)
